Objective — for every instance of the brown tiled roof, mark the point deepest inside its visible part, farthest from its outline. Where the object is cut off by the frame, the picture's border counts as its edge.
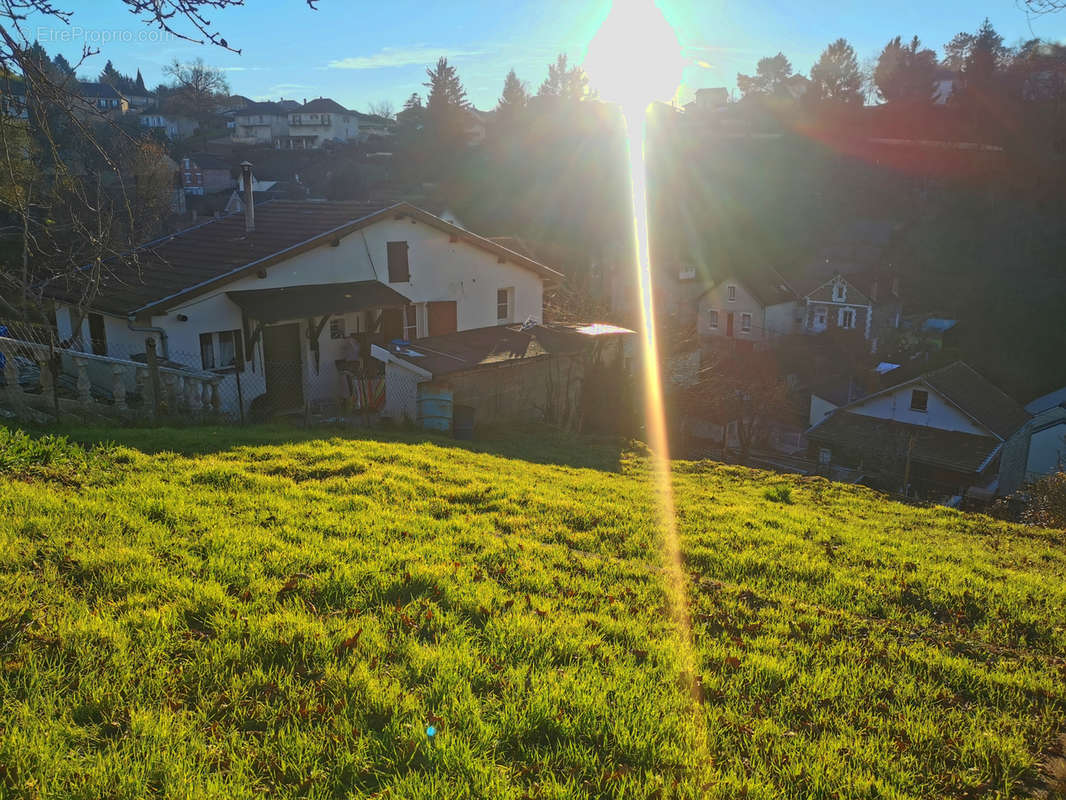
(979, 398)
(877, 441)
(323, 104)
(765, 283)
(179, 266)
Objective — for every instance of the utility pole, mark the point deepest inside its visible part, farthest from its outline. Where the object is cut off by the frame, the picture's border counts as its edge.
(907, 465)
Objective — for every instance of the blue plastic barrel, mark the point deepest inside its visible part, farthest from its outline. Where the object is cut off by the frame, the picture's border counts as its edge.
(435, 407)
(463, 422)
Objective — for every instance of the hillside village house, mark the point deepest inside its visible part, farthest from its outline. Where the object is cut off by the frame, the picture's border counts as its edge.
(262, 123)
(942, 434)
(848, 287)
(206, 173)
(275, 294)
(174, 126)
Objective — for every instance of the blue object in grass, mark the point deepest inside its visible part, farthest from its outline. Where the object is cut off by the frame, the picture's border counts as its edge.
(431, 731)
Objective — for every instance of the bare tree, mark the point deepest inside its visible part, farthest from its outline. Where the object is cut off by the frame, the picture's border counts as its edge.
(745, 389)
(78, 190)
(198, 90)
(382, 108)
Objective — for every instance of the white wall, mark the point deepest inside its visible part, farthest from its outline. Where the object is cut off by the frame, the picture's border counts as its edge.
(1047, 447)
(940, 414)
(439, 270)
(819, 408)
(717, 299)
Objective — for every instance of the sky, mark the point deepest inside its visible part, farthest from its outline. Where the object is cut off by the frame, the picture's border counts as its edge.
(366, 52)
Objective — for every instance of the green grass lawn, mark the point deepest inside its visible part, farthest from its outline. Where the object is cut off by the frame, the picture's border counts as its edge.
(223, 613)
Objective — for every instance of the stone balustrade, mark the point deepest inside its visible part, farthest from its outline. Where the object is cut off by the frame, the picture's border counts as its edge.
(189, 393)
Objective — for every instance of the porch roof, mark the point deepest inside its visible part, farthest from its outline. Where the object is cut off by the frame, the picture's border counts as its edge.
(300, 302)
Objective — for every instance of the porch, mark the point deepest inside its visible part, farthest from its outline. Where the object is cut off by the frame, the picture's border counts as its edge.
(307, 349)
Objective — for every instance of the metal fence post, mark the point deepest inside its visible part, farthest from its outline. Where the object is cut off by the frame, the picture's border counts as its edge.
(153, 376)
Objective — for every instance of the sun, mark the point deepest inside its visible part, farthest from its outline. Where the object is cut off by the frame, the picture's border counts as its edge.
(635, 57)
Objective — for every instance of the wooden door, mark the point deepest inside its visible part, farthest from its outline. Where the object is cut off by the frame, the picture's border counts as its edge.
(392, 324)
(729, 324)
(443, 317)
(282, 366)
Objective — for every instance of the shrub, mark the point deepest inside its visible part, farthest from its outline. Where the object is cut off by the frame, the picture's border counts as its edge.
(779, 494)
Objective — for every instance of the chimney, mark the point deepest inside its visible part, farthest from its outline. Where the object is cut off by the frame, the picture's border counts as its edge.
(249, 201)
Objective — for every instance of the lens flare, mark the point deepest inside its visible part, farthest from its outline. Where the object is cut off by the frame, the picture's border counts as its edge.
(634, 60)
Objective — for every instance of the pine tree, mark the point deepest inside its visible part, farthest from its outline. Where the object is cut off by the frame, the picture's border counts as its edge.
(565, 82)
(446, 114)
(836, 75)
(905, 72)
(515, 94)
(770, 76)
(138, 85)
(110, 75)
(63, 66)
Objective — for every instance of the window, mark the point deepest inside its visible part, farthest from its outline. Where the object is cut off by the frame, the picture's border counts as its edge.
(820, 315)
(846, 319)
(919, 400)
(97, 334)
(222, 350)
(410, 322)
(338, 329)
(712, 319)
(840, 292)
(399, 270)
(825, 456)
(731, 293)
(207, 350)
(745, 323)
(503, 305)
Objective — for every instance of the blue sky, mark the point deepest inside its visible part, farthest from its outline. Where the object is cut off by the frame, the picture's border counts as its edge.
(362, 52)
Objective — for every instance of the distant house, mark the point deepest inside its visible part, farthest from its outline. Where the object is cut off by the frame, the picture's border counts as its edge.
(262, 123)
(851, 284)
(941, 433)
(708, 100)
(102, 97)
(1040, 449)
(754, 305)
(317, 122)
(174, 126)
(205, 173)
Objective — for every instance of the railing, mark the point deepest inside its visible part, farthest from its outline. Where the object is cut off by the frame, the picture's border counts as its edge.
(160, 390)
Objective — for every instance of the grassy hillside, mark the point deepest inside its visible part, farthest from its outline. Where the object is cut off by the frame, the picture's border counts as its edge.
(211, 613)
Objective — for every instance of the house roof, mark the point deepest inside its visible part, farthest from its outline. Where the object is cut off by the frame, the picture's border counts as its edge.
(175, 268)
(858, 253)
(1047, 401)
(498, 345)
(98, 89)
(209, 161)
(321, 104)
(765, 283)
(268, 107)
(978, 397)
(299, 302)
(878, 439)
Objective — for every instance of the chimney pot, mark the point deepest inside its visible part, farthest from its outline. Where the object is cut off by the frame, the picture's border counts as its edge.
(249, 200)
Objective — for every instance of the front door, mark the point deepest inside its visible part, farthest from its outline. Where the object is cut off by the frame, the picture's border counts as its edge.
(729, 324)
(282, 366)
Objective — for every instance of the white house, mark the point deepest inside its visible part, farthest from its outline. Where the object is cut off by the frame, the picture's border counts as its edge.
(320, 121)
(262, 123)
(942, 432)
(755, 306)
(275, 294)
(173, 126)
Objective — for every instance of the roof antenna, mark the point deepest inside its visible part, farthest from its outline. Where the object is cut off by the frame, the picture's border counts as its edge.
(249, 201)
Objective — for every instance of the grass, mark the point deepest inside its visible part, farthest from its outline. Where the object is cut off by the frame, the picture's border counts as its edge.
(220, 613)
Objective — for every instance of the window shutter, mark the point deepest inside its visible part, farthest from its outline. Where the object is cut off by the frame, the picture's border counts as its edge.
(399, 270)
